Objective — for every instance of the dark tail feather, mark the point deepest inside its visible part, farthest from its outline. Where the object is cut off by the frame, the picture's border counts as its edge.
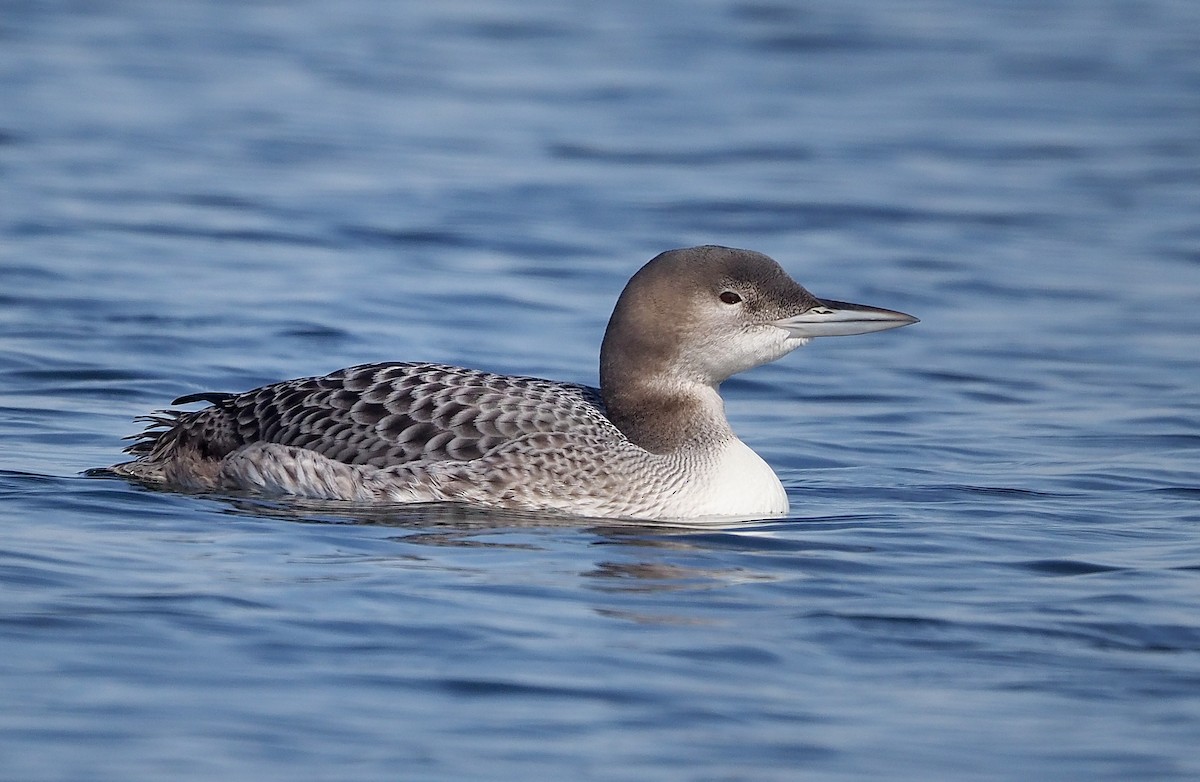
(216, 398)
(157, 425)
(166, 439)
(162, 425)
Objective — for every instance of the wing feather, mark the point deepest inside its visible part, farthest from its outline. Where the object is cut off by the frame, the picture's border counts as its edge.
(380, 415)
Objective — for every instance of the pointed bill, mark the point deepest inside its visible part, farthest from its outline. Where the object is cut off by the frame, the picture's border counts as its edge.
(841, 319)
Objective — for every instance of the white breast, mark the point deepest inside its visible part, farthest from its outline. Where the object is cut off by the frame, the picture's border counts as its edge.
(740, 484)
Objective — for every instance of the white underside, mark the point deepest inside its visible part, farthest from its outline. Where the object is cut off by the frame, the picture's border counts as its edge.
(734, 482)
(741, 484)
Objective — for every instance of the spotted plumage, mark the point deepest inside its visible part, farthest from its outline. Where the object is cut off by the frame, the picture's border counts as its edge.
(380, 414)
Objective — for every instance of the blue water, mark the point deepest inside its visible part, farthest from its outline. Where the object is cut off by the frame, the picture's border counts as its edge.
(992, 565)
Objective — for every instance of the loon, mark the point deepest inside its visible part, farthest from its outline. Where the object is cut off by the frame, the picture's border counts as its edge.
(652, 443)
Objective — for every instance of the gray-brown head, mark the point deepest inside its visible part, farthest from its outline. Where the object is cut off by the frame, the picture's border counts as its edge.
(696, 316)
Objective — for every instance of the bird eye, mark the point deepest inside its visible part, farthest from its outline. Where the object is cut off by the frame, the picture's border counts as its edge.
(729, 297)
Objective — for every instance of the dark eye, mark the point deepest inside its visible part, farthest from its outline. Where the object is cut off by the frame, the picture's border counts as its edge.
(729, 297)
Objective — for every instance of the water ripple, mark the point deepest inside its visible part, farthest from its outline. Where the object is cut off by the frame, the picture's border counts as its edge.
(990, 567)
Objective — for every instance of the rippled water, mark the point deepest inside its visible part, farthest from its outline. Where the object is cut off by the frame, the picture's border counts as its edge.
(992, 566)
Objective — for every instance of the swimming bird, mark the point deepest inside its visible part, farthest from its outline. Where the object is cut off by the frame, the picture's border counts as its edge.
(651, 443)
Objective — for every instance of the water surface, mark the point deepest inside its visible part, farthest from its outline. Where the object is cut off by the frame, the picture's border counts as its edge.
(991, 569)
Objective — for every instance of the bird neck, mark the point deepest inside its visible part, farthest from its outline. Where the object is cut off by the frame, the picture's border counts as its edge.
(662, 413)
